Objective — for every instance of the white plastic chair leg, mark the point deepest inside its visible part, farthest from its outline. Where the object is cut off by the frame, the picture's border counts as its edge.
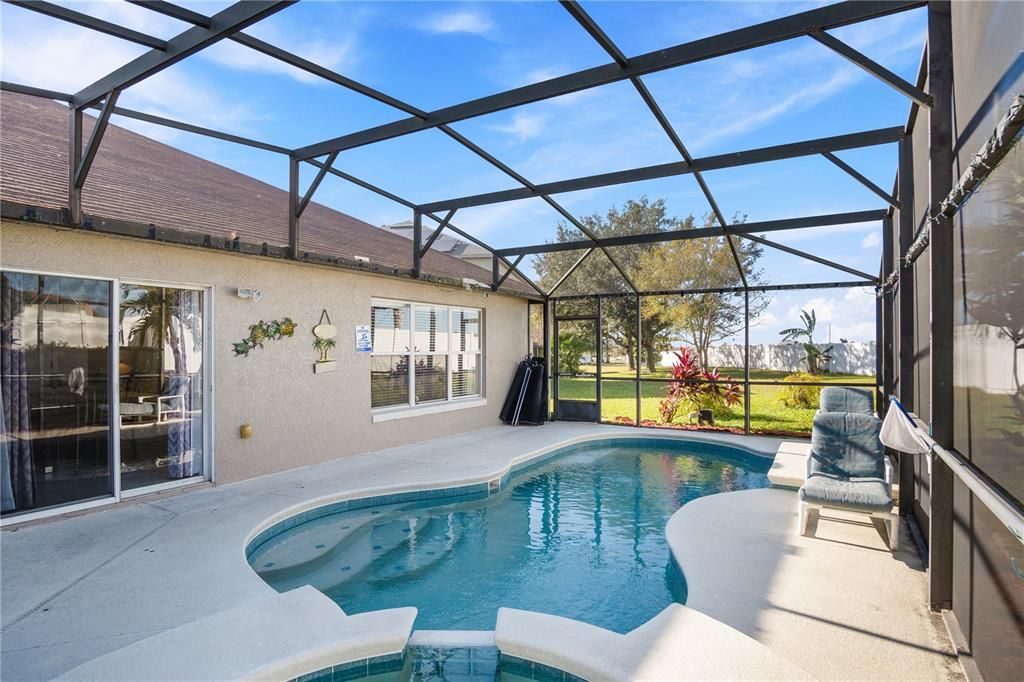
(807, 516)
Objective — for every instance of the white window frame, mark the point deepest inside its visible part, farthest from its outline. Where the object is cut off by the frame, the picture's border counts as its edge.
(114, 398)
(411, 407)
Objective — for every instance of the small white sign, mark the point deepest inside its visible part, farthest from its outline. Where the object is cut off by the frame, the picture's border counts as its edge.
(363, 342)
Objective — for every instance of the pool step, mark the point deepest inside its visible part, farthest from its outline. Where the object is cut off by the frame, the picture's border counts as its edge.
(386, 542)
(390, 542)
(436, 539)
(337, 562)
(307, 546)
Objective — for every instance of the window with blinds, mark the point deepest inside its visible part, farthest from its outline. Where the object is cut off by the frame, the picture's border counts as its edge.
(442, 344)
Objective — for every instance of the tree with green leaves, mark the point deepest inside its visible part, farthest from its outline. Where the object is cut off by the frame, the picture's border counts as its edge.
(702, 319)
(598, 275)
(571, 348)
(699, 319)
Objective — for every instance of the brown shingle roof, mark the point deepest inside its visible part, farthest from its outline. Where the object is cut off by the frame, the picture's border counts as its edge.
(139, 180)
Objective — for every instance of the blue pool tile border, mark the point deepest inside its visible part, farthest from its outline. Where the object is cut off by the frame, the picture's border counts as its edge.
(531, 670)
(361, 503)
(502, 662)
(356, 670)
(472, 662)
(682, 444)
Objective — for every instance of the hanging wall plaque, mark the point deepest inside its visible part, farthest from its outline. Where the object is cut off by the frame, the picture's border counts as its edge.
(324, 332)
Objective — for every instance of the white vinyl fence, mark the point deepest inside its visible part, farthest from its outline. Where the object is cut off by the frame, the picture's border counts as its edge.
(847, 358)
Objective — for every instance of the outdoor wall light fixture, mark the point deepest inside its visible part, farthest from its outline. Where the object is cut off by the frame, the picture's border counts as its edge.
(250, 294)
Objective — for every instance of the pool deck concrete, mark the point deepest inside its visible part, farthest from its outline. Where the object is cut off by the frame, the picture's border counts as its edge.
(838, 603)
(77, 588)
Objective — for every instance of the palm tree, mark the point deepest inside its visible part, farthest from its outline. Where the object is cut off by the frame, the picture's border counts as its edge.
(161, 318)
(816, 357)
(810, 321)
(164, 320)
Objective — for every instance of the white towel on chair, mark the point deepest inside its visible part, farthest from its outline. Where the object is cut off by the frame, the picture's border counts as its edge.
(900, 434)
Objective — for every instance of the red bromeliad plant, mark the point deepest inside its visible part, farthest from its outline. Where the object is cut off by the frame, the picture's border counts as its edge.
(690, 389)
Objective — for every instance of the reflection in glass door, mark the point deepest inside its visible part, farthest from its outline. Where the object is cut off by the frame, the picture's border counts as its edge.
(160, 368)
(55, 367)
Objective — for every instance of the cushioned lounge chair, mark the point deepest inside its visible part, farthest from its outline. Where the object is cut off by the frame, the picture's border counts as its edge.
(848, 469)
(846, 399)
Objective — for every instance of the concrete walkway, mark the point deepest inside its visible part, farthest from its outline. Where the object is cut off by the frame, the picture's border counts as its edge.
(74, 589)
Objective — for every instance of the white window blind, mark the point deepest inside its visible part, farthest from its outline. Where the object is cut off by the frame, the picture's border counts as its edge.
(442, 344)
(389, 365)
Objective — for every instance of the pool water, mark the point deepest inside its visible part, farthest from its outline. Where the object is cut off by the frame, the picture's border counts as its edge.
(580, 535)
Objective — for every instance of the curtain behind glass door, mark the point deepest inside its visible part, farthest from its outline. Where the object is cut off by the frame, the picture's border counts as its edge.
(54, 375)
(161, 384)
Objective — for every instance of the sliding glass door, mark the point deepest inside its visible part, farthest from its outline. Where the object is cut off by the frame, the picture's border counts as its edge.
(55, 434)
(160, 368)
(104, 389)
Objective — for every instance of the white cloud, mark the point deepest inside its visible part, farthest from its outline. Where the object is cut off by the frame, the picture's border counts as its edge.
(887, 39)
(544, 73)
(131, 16)
(51, 55)
(173, 95)
(799, 100)
(815, 233)
(872, 240)
(41, 52)
(336, 55)
(850, 316)
(460, 21)
(580, 141)
(335, 47)
(766, 319)
(824, 309)
(523, 126)
(510, 218)
(767, 84)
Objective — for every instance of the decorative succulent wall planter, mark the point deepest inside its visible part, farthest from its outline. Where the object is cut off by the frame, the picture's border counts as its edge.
(325, 332)
(262, 332)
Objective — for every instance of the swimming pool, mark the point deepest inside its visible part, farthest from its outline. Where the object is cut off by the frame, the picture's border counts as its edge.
(579, 534)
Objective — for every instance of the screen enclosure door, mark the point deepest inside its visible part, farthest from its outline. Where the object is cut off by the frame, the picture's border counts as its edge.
(577, 397)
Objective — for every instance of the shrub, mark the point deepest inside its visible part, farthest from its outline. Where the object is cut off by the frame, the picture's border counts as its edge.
(571, 348)
(800, 396)
(687, 392)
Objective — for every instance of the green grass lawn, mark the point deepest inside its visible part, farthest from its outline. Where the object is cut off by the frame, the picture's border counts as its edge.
(767, 413)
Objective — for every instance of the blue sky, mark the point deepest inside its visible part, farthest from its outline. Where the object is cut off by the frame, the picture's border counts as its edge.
(433, 54)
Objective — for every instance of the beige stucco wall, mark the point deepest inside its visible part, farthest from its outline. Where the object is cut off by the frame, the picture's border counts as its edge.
(299, 418)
